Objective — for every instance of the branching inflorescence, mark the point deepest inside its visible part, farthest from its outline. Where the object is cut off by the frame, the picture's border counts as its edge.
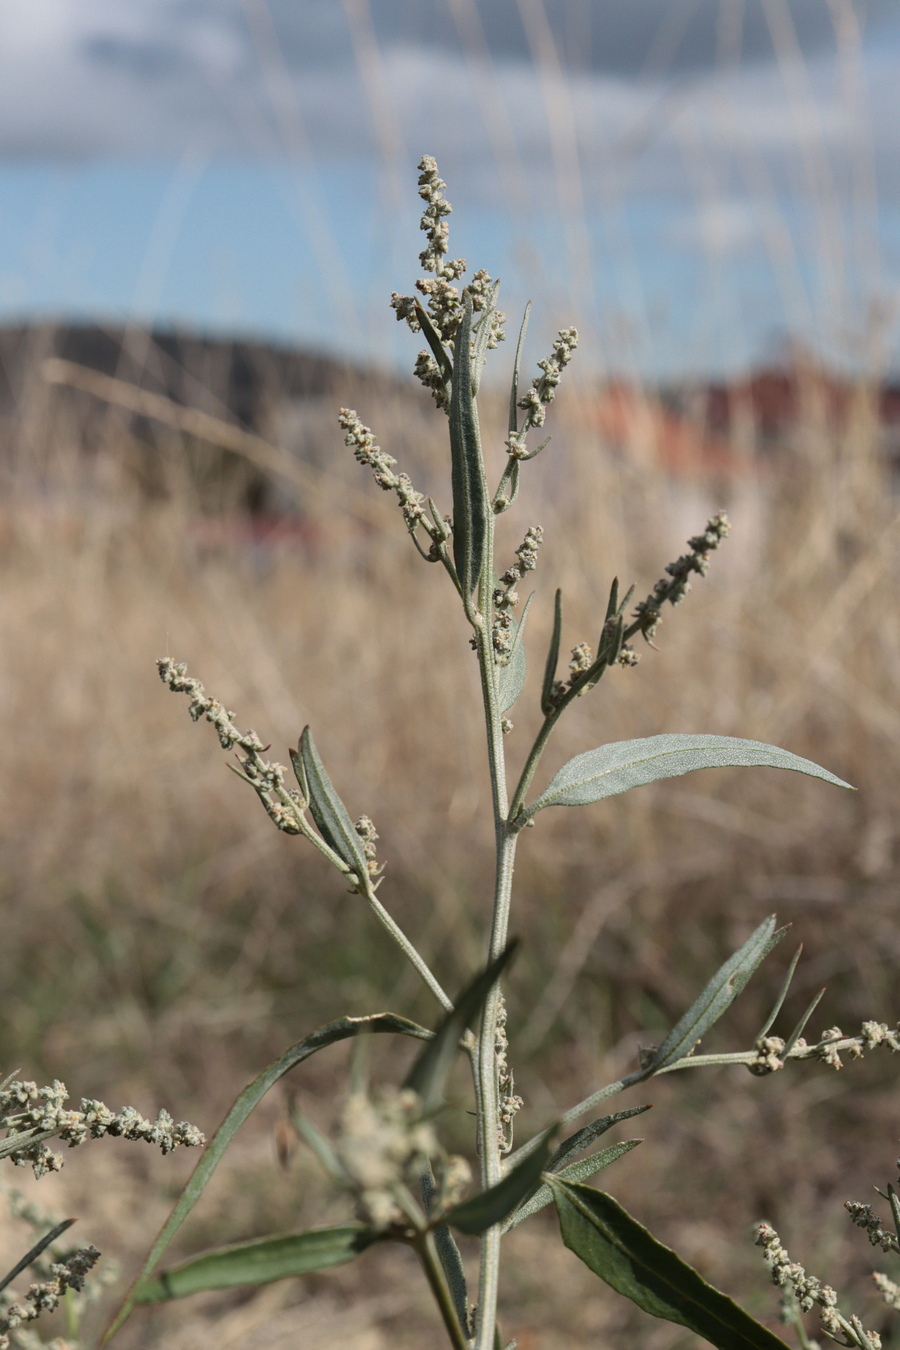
(386, 1152)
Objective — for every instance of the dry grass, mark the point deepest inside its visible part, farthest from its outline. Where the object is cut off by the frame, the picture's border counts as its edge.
(162, 941)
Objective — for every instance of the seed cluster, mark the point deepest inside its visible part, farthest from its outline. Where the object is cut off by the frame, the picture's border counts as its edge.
(45, 1296)
(674, 586)
(32, 1115)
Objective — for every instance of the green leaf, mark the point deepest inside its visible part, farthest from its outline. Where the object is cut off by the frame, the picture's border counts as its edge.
(433, 338)
(471, 507)
(552, 657)
(482, 337)
(328, 811)
(511, 677)
(259, 1262)
(584, 1137)
(517, 364)
(490, 1207)
(719, 994)
(300, 772)
(447, 1250)
(253, 1093)
(622, 765)
(428, 1075)
(577, 1171)
(622, 1252)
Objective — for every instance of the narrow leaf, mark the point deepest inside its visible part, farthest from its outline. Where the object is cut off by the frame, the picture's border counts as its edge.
(511, 677)
(447, 1250)
(801, 1025)
(253, 1093)
(471, 507)
(894, 1200)
(300, 773)
(482, 336)
(35, 1252)
(507, 488)
(428, 1075)
(514, 390)
(584, 1137)
(776, 1009)
(552, 656)
(582, 1170)
(481, 1212)
(328, 811)
(433, 338)
(321, 1147)
(613, 602)
(259, 1262)
(622, 1252)
(622, 765)
(624, 601)
(719, 994)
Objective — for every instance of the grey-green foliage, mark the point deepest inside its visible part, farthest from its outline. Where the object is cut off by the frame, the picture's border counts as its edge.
(385, 1152)
(623, 765)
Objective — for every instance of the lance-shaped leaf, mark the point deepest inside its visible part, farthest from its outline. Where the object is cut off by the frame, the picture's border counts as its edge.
(517, 365)
(253, 1093)
(259, 1262)
(428, 1075)
(328, 811)
(447, 1250)
(300, 773)
(481, 1212)
(718, 995)
(583, 1138)
(482, 337)
(552, 657)
(511, 677)
(622, 1252)
(471, 507)
(582, 1170)
(622, 765)
(433, 338)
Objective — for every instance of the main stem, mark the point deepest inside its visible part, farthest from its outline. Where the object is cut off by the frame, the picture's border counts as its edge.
(487, 1086)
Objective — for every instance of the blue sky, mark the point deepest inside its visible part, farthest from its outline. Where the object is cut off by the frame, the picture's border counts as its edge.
(687, 180)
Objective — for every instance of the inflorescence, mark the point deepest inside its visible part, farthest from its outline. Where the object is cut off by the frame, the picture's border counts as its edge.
(444, 305)
(770, 1051)
(45, 1296)
(674, 586)
(809, 1292)
(31, 1115)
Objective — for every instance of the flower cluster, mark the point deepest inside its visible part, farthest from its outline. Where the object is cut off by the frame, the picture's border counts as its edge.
(365, 828)
(543, 387)
(367, 451)
(675, 585)
(444, 304)
(384, 1145)
(770, 1051)
(30, 1115)
(510, 1102)
(45, 1296)
(506, 597)
(809, 1292)
(283, 805)
(865, 1217)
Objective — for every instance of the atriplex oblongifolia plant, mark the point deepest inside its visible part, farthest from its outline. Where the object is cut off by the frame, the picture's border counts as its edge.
(386, 1155)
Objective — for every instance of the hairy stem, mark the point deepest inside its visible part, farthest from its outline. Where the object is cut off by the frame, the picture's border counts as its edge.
(427, 1253)
(488, 1087)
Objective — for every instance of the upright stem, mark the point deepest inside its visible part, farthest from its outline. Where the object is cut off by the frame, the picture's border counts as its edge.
(427, 1252)
(488, 1087)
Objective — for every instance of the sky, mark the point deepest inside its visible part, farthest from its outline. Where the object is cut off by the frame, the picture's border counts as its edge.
(693, 183)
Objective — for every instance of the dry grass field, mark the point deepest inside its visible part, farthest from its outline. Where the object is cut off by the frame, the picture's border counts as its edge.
(161, 941)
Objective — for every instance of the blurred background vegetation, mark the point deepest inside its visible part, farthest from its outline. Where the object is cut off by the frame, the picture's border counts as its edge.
(164, 491)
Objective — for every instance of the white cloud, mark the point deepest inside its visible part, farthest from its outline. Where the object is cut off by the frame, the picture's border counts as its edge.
(155, 78)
